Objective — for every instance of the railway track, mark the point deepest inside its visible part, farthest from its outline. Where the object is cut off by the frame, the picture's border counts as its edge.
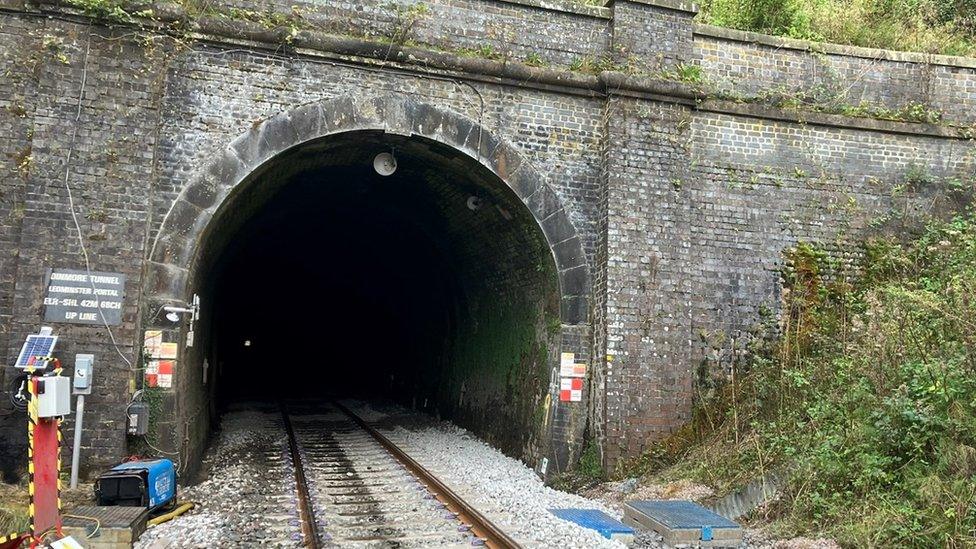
(355, 488)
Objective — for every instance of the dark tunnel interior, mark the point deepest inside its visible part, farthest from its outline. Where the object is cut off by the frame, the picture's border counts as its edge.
(433, 287)
(341, 281)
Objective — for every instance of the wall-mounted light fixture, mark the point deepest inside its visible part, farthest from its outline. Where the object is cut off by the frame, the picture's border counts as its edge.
(474, 203)
(385, 164)
(173, 314)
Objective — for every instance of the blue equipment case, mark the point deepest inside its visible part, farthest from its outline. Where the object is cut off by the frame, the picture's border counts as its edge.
(145, 483)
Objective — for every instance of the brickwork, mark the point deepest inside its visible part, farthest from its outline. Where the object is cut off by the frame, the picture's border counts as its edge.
(514, 30)
(652, 36)
(111, 149)
(747, 64)
(16, 122)
(666, 220)
(700, 209)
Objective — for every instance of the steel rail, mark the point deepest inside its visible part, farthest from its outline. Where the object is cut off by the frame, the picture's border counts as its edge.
(309, 526)
(493, 536)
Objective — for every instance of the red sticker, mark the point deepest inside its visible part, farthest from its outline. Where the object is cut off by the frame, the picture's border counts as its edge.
(166, 366)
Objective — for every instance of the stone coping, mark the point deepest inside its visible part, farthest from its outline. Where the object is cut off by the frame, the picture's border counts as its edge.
(815, 118)
(676, 5)
(568, 6)
(779, 42)
(223, 32)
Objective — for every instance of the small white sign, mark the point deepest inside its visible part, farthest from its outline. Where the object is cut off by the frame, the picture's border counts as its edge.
(66, 543)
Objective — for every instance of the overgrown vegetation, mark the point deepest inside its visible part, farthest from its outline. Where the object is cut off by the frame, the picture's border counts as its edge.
(826, 99)
(13, 508)
(930, 26)
(862, 396)
(590, 464)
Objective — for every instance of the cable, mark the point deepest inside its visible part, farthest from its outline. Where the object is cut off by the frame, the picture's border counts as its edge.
(16, 394)
(179, 510)
(98, 524)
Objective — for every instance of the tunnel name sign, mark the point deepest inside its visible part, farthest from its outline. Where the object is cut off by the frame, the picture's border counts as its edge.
(75, 297)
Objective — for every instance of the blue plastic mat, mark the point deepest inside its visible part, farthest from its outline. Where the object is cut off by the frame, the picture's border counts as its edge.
(682, 514)
(595, 519)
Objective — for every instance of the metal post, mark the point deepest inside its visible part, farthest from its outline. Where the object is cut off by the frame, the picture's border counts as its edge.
(76, 449)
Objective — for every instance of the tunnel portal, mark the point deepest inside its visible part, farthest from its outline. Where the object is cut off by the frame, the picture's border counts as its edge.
(433, 286)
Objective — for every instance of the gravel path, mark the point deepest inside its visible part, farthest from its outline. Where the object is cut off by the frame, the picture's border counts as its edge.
(248, 499)
(513, 497)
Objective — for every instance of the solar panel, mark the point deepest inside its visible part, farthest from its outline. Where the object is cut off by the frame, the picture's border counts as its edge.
(35, 346)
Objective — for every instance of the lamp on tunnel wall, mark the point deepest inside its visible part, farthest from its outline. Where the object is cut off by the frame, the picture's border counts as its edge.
(173, 314)
(385, 164)
(474, 203)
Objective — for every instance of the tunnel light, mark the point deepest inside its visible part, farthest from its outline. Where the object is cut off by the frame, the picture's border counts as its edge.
(474, 203)
(385, 164)
(247, 342)
(173, 313)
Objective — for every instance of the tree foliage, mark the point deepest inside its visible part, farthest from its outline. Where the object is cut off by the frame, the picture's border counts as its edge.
(931, 26)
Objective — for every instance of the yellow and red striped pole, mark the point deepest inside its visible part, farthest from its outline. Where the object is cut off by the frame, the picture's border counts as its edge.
(44, 464)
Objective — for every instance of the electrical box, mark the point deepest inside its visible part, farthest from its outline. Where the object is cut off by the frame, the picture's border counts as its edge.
(138, 418)
(82, 380)
(53, 396)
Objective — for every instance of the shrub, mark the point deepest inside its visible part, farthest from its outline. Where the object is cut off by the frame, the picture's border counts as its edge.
(931, 26)
(865, 396)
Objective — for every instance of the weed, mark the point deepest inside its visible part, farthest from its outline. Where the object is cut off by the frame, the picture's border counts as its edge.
(55, 45)
(98, 216)
(593, 65)
(535, 60)
(688, 73)
(488, 51)
(590, 465)
(405, 19)
(111, 10)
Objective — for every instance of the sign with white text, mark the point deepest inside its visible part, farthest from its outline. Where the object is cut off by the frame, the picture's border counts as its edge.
(77, 297)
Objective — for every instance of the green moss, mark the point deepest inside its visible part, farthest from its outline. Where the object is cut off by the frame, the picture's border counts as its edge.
(590, 464)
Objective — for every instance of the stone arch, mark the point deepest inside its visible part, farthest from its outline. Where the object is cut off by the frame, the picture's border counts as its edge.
(173, 250)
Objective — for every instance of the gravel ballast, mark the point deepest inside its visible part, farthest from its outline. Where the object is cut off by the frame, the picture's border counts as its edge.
(249, 500)
(503, 489)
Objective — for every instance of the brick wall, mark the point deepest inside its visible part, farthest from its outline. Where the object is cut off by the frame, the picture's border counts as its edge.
(111, 145)
(701, 207)
(557, 32)
(652, 36)
(682, 211)
(747, 64)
